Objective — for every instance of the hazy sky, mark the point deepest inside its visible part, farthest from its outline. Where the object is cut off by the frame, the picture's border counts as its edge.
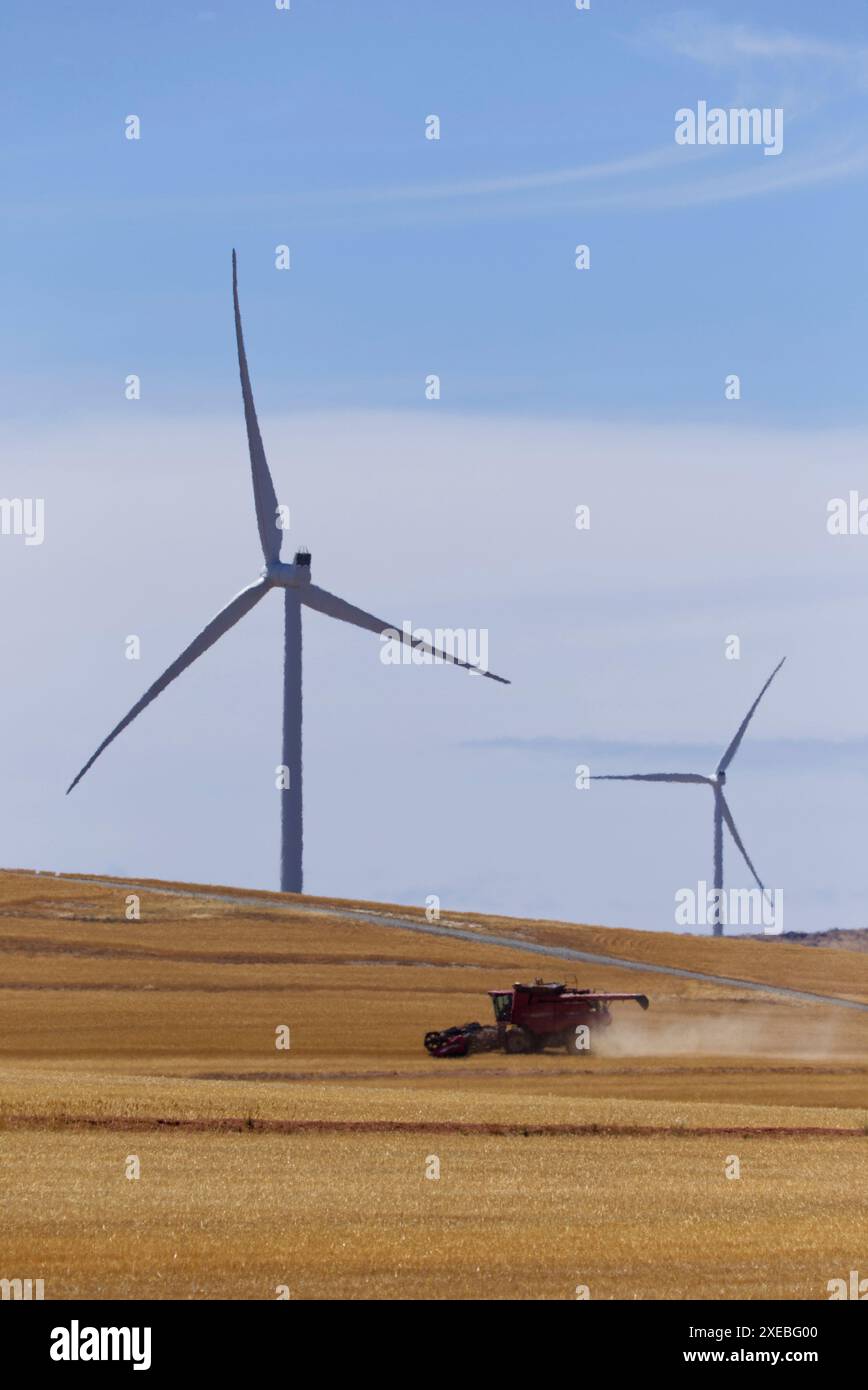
(558, 388)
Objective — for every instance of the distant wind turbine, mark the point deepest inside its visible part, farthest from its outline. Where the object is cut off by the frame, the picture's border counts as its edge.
(722, 813)
(298, 590)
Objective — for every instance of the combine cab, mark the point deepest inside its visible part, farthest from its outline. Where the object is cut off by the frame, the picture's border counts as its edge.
(529, 1018)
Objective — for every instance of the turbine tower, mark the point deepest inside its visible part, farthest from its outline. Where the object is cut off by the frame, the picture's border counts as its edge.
(298, 592)
(722, 813)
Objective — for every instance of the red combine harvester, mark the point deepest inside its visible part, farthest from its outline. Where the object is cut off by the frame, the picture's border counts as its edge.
(531, 1017)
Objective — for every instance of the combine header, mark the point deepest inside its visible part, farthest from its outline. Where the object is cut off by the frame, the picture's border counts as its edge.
(529, 1018)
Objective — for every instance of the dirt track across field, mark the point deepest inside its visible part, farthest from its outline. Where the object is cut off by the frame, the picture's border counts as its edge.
(535, 947)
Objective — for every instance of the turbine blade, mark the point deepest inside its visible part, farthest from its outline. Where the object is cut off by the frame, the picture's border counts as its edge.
(324, 602)
(226, 618)
(264, 496)
(727, 816)
(733, 747)
(650, 777)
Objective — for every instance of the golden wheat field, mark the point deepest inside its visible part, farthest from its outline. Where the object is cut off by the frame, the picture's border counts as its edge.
(350, 1164)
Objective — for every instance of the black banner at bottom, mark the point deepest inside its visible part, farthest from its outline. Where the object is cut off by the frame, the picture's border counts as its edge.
(164, 1337)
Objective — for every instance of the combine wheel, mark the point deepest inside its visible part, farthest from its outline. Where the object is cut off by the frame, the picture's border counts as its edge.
(518, 1040)
(483, 1040)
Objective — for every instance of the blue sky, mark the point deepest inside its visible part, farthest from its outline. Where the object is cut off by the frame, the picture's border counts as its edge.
(306, 128)
(559, 387)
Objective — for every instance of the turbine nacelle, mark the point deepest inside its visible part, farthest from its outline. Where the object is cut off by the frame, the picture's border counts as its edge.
(293, 576)
(718, 779)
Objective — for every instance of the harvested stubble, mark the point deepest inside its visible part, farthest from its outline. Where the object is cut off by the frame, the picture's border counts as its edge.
(262, 1167)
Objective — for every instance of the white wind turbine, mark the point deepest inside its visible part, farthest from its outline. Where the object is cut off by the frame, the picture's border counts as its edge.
(298, 591)
(722, 813)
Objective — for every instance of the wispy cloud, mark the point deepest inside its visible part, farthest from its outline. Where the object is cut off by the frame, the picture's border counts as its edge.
(666, 177)
(516, 183)
(825, 164)
(627, 184)
(722, 45)
(802, 72)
